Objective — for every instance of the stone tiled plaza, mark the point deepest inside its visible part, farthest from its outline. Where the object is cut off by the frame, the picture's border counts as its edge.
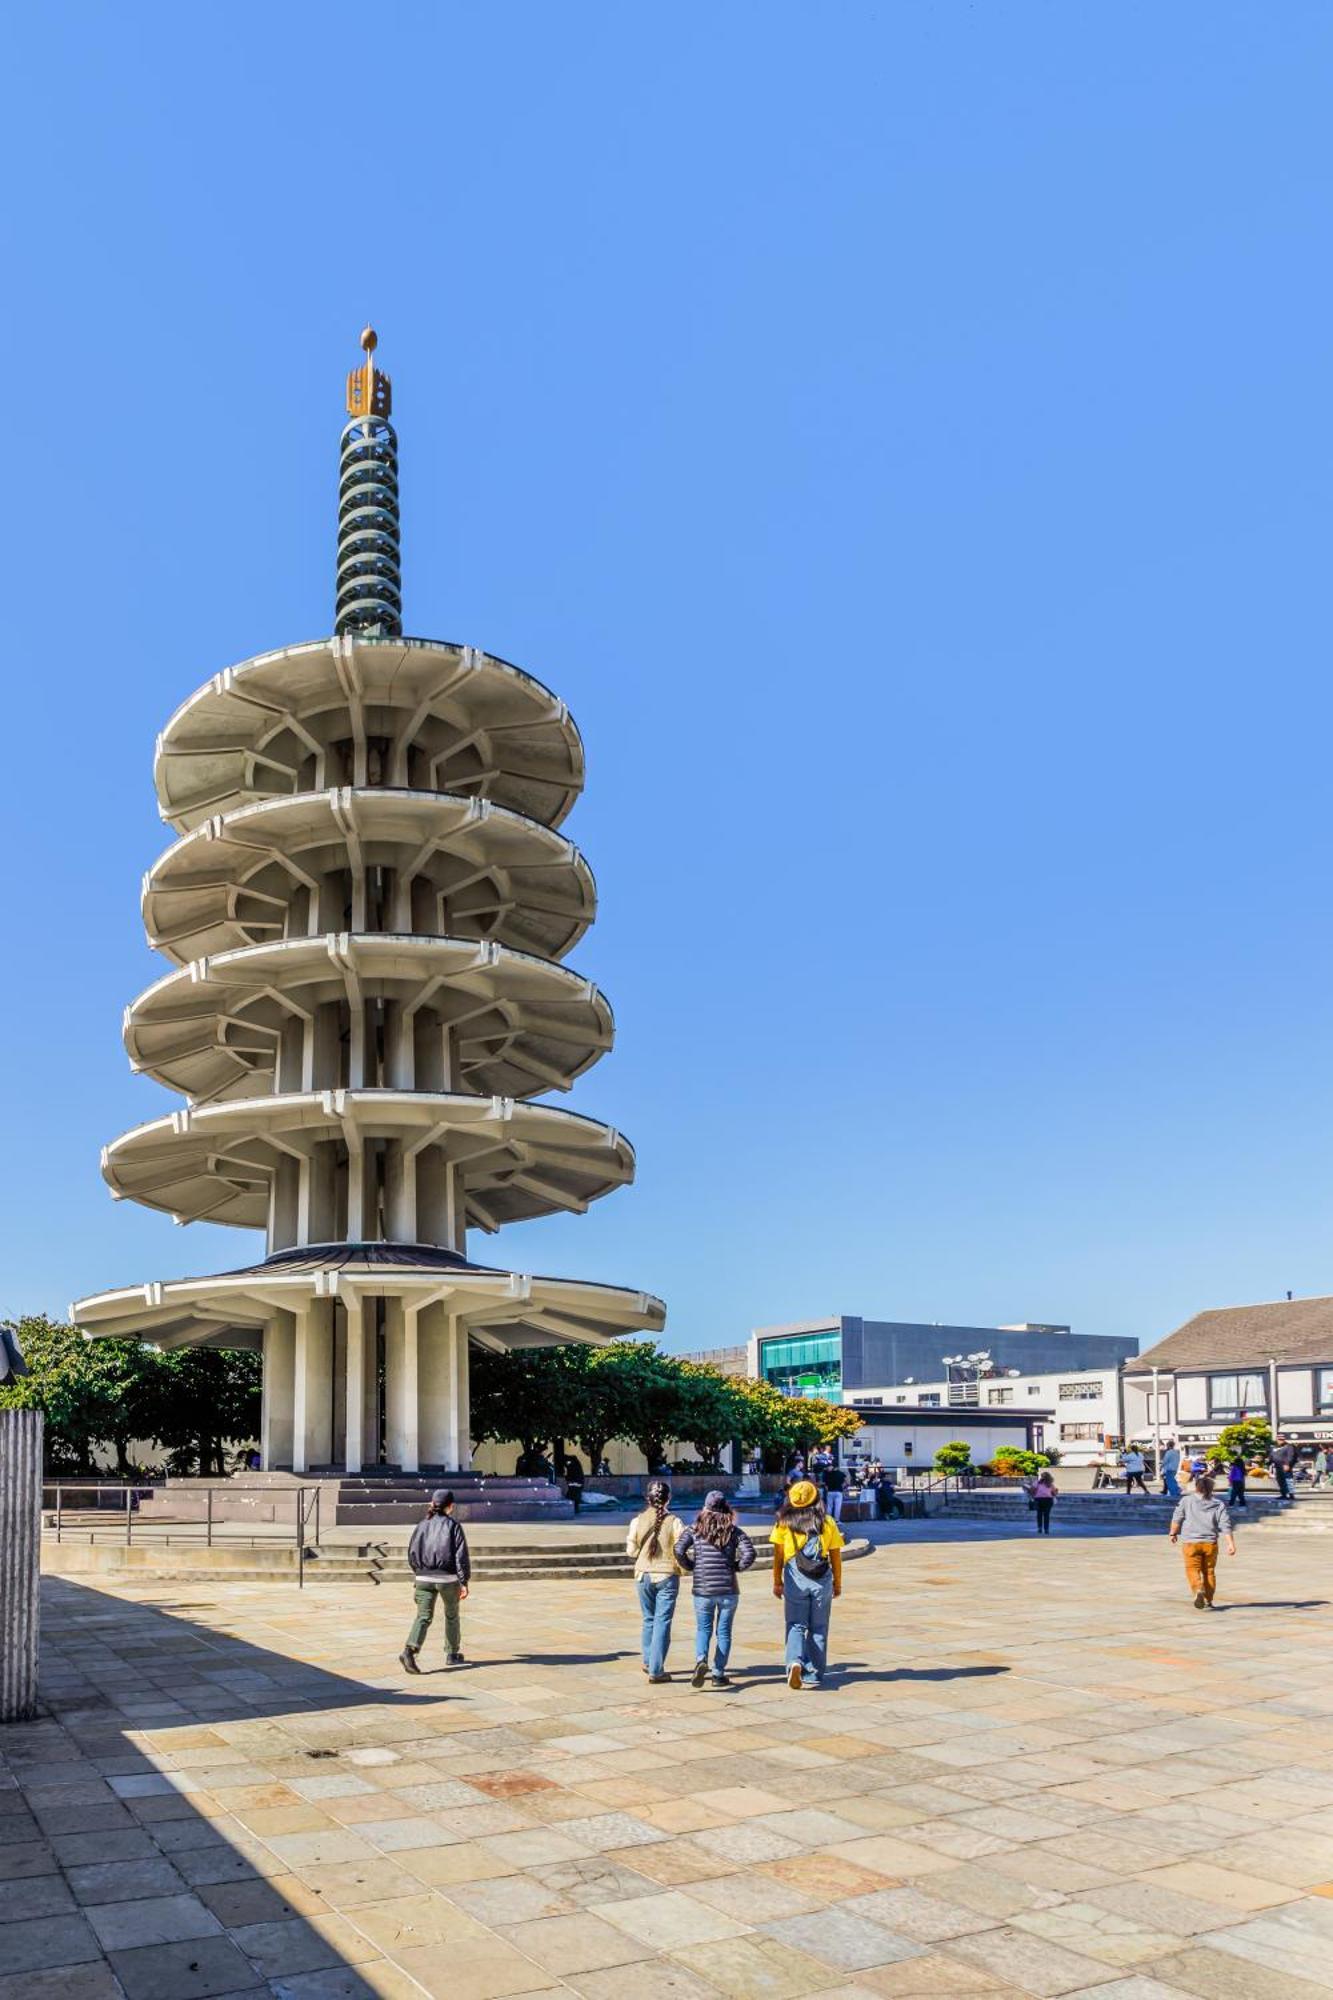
(1038, 1772)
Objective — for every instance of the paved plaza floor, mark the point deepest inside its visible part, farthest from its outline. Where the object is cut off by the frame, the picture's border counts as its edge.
(1037, 1771)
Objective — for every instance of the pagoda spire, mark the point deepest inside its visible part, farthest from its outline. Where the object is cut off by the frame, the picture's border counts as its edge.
(369, 595)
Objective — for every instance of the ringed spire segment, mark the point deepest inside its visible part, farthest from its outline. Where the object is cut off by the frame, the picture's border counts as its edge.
(369, 589)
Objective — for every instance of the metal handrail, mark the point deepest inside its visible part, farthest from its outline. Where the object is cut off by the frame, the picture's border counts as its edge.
(307, 1500)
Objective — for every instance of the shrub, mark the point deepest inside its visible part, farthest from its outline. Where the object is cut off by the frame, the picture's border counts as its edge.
(954, 1458)
(1011, 1462)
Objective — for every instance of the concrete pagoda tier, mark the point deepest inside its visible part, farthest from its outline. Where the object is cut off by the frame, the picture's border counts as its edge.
(366, 907)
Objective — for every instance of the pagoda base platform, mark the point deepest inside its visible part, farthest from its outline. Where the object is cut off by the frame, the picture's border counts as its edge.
(379, 1498)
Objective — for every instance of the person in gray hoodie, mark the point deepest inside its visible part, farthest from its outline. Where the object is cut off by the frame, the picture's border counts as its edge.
(441, 1569)
(1202, 1521)
(714, 1551)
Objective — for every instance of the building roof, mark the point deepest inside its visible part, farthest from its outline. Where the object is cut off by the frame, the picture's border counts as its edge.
(958, 1413)
(1231, 1336)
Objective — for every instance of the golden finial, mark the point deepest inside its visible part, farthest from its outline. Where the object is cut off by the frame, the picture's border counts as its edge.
(369, 393)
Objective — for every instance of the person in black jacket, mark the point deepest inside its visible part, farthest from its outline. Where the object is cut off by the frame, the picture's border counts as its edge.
(441, 1567)
(714, 1551)
(1284, 1464)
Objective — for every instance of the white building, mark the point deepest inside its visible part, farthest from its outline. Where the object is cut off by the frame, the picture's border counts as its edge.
(1075, 1409)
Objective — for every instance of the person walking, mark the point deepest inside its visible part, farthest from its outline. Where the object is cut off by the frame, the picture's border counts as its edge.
(1135, 1465)
(1202, 1521)
(714, 1552)
(1320, 1467)
(807, 1576)
(574, 1481)
(1171, 1469)
(1236, 1481)
(437, 1556)
(1044, 1495)
(651, 1541)
(1284, 1461)
(835, 1485)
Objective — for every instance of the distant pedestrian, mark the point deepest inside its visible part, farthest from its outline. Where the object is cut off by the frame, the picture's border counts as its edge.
(574, 1481)
(1171, 1470)
(651, 1541)
(1134, 1465)
(1236, 1481)
(1201, 1521)
(835, 1485)
(1044, 1495)
(1198, 1467)
(1320, 1466)
(1284, 1461)
(807, 1576)
(714, 1551)
(437, 1556)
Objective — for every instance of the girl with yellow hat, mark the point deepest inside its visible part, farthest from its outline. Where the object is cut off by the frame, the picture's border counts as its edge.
(807, 1576)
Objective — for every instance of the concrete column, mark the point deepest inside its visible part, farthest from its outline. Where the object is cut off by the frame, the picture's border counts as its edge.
(276, 1430)
(20, 1547)
(312, 1386)
(401, 1425)
(454, 1445)
(463, 1398)
(434, 1385)
(355, 1400)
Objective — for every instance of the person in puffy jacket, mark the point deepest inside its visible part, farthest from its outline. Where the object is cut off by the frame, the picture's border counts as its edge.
(441, 1568)
(714, 1552)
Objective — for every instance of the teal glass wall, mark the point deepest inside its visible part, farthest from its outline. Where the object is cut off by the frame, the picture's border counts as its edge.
(809, 1364)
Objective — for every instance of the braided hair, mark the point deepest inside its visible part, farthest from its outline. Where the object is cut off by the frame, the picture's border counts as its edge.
(659, 1499)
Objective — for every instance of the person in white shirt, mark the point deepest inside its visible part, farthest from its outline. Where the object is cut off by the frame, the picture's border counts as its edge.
(1135, 1466)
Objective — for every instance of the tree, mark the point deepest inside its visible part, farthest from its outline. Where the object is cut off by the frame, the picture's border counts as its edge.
(1253, 1439)
(531, 1396)
(809, 1422)
(954, 1458)
(713, 1410)
(201, 1398)
(93, 1392)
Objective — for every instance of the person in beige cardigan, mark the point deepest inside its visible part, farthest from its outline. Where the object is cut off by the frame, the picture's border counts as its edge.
(651, 1541)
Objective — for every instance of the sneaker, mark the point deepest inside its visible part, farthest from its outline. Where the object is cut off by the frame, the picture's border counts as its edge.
(700, 1674)
(409, 1661)
(794, 1676)
(657, 1679)
(454, 1660)
(719, 1681)
(1200, 1601)
(810, 1681)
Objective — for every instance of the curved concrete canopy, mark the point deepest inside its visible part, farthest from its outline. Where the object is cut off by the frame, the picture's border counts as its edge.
(317, 862)
(500, 1309)
(217, 1162)
(444, 717)
(218, 1027)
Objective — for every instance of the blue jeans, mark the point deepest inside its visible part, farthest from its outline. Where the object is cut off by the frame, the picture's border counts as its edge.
(657, 1600)
(1172, 1485)
(806, 1605)
(706, 1610)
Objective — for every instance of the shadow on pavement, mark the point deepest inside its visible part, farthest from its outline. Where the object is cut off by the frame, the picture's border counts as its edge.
(119, 1863)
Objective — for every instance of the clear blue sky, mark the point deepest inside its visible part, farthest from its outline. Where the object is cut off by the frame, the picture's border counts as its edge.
(901, 432)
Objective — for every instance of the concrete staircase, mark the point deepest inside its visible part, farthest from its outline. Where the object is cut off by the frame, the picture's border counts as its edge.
(384, 1498)
(1092, 1513)
(153, 1557)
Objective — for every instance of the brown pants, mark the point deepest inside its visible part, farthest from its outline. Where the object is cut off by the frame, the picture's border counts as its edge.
(1201, 1567)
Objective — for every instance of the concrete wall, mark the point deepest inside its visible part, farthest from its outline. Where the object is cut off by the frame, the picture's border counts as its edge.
(20, 1551)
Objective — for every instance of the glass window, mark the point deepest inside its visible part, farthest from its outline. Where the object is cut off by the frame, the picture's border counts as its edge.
(1233, 1395)
(1324, 1389)
(1084, 1431)
(1033, 1389)
(806, 1365)
(1080, 1392)
(930, 1401)
(999, 1395)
